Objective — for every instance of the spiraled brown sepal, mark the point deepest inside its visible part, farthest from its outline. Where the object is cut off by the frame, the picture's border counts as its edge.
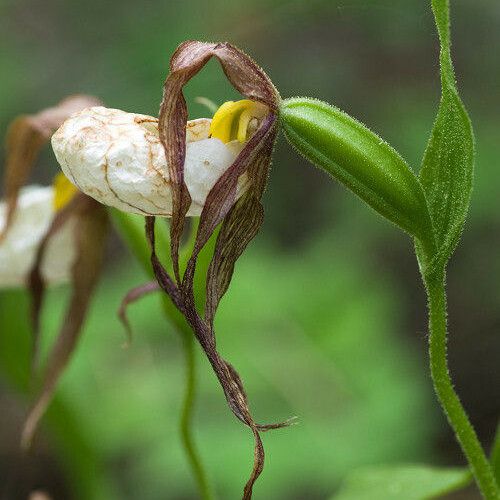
(25, 138)
(90, 232)
(240, 219)
(189, 58)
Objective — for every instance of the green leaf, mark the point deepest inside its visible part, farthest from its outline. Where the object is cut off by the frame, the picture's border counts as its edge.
(495, 455)
(359, 159)
(397, 482)
(447, 168)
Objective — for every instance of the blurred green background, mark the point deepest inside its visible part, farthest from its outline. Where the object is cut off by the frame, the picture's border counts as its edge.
(325, 318)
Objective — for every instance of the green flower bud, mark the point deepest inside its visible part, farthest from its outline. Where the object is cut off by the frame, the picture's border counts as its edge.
(359, 159)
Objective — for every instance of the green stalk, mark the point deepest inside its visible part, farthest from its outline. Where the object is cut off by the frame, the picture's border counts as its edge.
(131, 229)
(188, 347)
(495, 455)
(448, 398)
(187, 414)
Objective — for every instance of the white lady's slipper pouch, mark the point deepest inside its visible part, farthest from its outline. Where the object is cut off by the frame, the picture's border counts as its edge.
(31, 221)
(117, 158)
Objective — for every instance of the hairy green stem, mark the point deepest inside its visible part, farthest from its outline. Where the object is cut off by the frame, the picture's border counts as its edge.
(446, 394)
(187, 414)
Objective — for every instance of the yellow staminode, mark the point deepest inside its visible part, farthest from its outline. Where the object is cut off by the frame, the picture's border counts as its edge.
(63, 191)
(232, 119)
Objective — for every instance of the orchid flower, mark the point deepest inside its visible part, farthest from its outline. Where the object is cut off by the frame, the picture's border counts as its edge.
(216, 169)
(36, 208)
(48, 235)
(118, 159)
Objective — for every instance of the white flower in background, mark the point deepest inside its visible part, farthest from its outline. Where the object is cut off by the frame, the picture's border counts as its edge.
(35, 210)
(117, 158)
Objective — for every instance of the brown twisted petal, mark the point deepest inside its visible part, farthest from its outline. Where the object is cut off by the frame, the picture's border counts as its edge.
(35, 283)
(245, 75)
(90, 232)
(25, 138)
(239, 226)
(253, 159)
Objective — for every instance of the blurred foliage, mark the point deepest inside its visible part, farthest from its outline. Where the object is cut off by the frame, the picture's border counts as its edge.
(411, 482)
(325, 318)
(303, 347)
